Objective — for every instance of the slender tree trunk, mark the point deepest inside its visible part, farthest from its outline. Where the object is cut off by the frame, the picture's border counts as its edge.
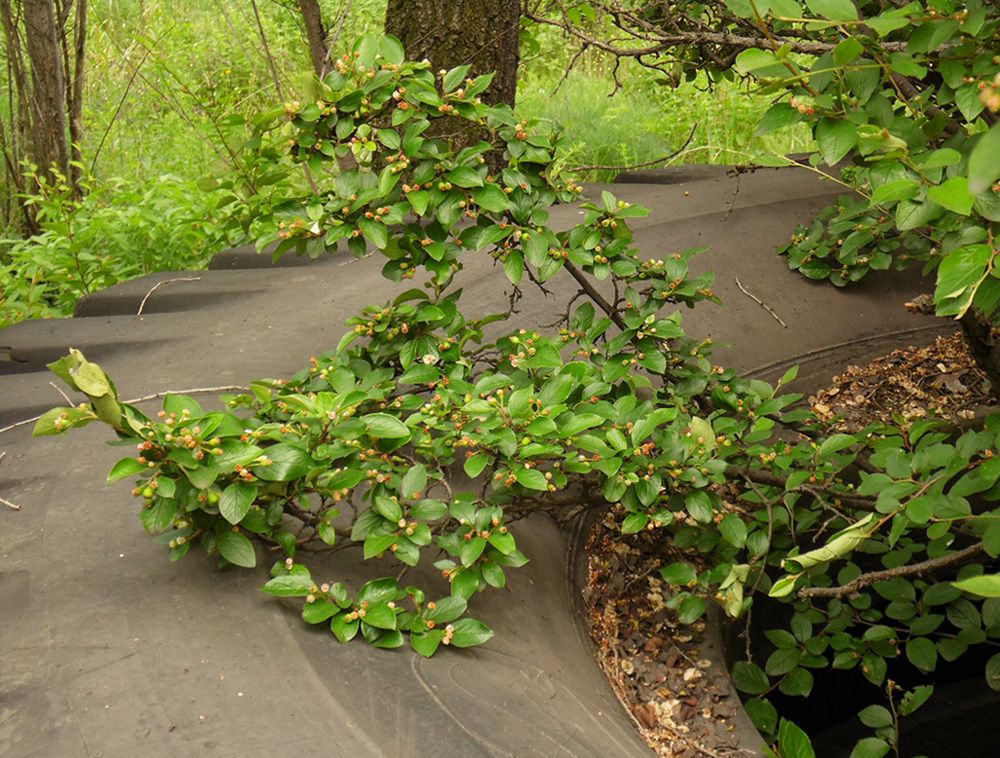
(75, 99)
(18, 134)
(484, 34)
(47, 102)
(312, 18)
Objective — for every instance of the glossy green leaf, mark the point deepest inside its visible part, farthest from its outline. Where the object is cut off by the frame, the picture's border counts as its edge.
(236, 500)
(236, 549)
(835, 137)
(835, 10)
(984, 162)
(385, 426)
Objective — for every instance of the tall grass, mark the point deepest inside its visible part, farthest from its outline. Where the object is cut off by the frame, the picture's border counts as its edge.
(165, 76)
(644, 121)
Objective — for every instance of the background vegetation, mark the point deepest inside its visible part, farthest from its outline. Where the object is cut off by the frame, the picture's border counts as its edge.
(171, 84)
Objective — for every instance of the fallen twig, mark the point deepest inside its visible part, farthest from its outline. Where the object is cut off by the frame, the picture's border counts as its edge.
(58, 389)
(160, 284)
(766, 307)
(2, 500)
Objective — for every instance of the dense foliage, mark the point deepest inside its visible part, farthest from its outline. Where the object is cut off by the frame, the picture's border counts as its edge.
(906, 94)
(860, 535)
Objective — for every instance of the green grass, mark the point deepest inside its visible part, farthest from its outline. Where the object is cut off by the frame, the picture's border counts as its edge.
(163, 75)
(644, 121)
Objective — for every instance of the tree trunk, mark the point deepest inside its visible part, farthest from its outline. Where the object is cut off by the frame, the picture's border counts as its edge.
(75, 94)
(47, 102)
(312, 18)
(482, 33)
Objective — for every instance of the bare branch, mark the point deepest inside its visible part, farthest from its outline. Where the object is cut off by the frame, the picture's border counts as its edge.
(924, 567)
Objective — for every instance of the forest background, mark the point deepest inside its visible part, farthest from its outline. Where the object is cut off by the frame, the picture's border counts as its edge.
(170, 87)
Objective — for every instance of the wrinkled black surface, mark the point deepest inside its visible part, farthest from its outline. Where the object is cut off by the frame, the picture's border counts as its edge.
(107, 649)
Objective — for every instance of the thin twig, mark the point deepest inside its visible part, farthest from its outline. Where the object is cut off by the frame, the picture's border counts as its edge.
(2, 500)
(160, 284)
(154, 396)
(732, 201)
(766, 307)
(332, 42)
(58, 389)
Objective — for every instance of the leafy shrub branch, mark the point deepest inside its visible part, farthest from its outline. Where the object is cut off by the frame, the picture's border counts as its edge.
(860, 534)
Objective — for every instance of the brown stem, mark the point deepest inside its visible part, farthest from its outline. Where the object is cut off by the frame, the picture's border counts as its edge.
(594, 295)
(864, 580)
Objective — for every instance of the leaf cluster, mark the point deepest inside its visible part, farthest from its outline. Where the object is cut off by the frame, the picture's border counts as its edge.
(880, 542)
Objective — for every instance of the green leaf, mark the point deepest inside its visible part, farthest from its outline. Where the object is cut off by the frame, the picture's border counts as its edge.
(289, 585)
(446, 610)
(987, 585)
(513, 266)
(733, 530)
(419, 201)
(846, 51)
(426, 643)
(792, 741)
(491, 198)
(679, 574)
(870, 747)
(699, 504)
(954, 195)
(993, 672)
(579, 422)
(835, 10)
(835, 137)
(414, 481)
(984, 163)
(798, 683)
(763, 715)
(876, 716)
(236, 500)
(454, 77)
(288, 462)
(464, 176)
(471, 550)
(126, 467)
(469, 632)
(913, 700)
(835, 444)
(379, 615)
(691, 609)
(375, 231)
(778, 117)
(344, 630)
(901, 189)
(874, 669)
(531, 478)
(391, 49)
(67, 417)
(385, 426)
(634, 523)
(236, 549)
(750, 678)
(319, 611)
(428, 510)
(475, 464)
(754, 59)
